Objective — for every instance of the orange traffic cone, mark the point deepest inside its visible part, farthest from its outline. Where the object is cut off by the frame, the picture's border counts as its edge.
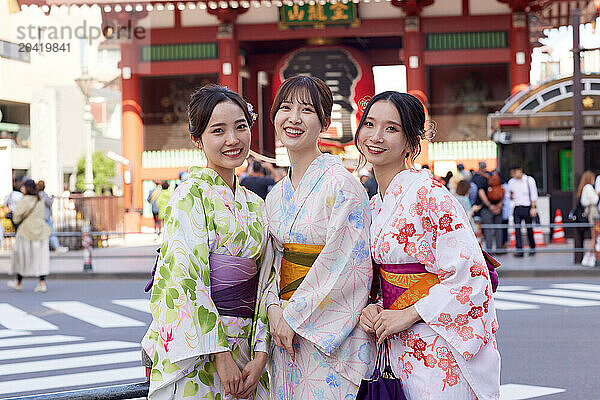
(511, 232)
(538, 237)
(558, 233)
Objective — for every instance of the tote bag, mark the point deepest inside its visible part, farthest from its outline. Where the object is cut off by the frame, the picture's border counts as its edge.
(383, 384)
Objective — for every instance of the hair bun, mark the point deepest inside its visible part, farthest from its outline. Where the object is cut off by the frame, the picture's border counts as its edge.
(430, 130)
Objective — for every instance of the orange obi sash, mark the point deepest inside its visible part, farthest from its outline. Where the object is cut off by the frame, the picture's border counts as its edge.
(404, 284)
(296, 262)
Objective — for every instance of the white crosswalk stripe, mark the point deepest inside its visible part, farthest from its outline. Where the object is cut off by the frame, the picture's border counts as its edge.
(533, 298)
(510, 305)
(92, 315)
(578, 286)
(510, 288)
(136, 304)
(65, 349)
(71, 362)
(16, 319)
(77, 379)
(513, 391)
(568, 293)
(9, 333)
(31, 340)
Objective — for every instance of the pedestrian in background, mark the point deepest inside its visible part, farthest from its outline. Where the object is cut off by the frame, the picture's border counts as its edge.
(462, 194)
(524, 195)
(491, 210)
(31, 253)
(597, 189)
(506, 212)
(460, 175)
(256, 180)
(588, 198)
(47, 200)
(161, 201)
(152, 197)
(371, 185)
(11, 200)
(446, 180)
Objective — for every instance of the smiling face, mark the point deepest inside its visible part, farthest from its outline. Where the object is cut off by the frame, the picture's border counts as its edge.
(226, 139)
(381, 138)
(297, 124)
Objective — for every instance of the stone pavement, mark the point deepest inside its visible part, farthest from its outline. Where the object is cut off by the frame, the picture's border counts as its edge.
(134, 258)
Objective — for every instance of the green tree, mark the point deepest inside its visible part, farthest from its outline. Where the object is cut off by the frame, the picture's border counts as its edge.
(103, 168)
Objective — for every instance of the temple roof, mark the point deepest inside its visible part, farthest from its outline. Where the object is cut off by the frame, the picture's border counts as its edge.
(546, 13)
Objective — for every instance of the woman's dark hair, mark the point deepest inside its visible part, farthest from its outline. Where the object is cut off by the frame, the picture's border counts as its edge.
(412, 117)
(306, 89)
(30, 187)
(204, 100)
(463, 187)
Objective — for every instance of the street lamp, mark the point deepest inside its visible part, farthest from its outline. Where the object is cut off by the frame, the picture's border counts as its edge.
(85, 83)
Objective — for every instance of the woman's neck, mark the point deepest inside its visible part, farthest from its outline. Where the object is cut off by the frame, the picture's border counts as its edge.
(300, 161)
(228, 175)
(384, 176)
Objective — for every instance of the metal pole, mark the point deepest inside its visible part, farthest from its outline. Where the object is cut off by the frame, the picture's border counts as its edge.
(89, 174)
(577, 144)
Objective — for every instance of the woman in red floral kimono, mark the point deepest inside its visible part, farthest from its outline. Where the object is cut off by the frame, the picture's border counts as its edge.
(437, 310)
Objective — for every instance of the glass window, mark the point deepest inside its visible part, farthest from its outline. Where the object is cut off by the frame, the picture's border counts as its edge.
(11, 50)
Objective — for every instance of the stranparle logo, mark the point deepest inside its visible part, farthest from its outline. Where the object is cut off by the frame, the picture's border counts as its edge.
(41, 33)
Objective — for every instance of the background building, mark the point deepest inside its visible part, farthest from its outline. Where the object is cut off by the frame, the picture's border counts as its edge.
(41, 106)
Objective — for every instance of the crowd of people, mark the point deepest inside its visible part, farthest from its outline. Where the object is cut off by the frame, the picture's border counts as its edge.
(315, 281)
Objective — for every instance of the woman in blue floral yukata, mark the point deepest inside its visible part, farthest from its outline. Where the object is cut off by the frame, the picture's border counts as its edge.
(319, 218)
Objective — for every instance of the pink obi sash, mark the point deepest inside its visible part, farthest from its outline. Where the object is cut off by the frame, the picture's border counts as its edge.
(404, 284)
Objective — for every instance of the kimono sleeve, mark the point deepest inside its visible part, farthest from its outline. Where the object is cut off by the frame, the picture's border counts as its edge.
(459, 308)
(326, 306)
(186, 323)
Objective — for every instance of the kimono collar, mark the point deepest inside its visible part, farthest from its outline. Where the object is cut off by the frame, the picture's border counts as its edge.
(314, 172)
(211, 176)
(398, 186)
(311, 182)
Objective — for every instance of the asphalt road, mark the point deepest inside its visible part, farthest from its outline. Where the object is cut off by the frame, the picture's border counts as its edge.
(80, 334)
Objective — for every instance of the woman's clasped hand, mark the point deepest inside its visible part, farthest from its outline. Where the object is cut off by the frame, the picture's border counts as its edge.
(384, 323)
(240, 383)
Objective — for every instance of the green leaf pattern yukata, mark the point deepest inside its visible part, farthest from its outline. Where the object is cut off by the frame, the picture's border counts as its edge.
(203, 216)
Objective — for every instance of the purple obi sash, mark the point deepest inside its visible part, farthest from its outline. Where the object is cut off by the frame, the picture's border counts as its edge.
(233, 284)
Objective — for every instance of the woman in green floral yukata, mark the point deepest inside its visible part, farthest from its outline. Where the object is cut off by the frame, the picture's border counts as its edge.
(208, 337)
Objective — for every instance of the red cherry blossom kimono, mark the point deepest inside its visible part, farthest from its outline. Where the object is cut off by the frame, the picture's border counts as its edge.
(452, 354)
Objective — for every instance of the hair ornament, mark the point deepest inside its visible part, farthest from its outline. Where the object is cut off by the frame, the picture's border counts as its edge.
(251, 111)
(430, 130)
